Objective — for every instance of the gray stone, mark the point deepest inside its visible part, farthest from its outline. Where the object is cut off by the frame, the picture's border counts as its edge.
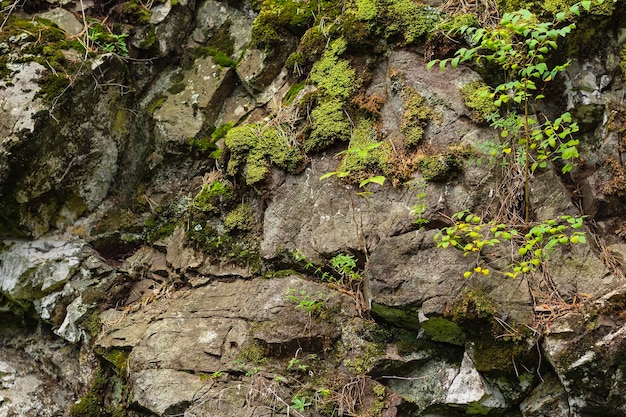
(30, 269)
(204, 330)
(166, 391)
(160, 12)
(469, 389)
(214, 16)
(547, 399)
(18, 102)
(427, 384)
(64, 19)
(184, 113)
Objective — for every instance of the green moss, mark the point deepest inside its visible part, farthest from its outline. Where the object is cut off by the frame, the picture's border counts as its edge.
(254, 147)
(92, 404)
(220, 58)
(92, 324)
(155, 105)
(176, 88)
(366, 357)
(149, 40)
(240, 219)
(257, 168)
(477, 97)
(135, 11)
(52, 87)
(278, 18)
(208, 143)
(163, 221)
(214, 196)
(277, 145)
(254, 354)
(119, 359)
(222, 42)
(293, 91)
(403, 317)
(492, 354)
(311, 47)
(474, 304)
(439, 168)
(242, 249)
(365, 153)
(240, 141)
(548, 8)
(453, 25)
(334, 76)
(221, 131)
(330, 125)
(410, 21)
(440, 329)
(415, 117)
(88, 406)
(366, 9)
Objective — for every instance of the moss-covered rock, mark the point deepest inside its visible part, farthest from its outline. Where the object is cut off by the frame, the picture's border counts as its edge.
(477, 97)
(254, 147)
(214, 196)
(330, 125)
(241, 219)
(334, 76)
(415, 117)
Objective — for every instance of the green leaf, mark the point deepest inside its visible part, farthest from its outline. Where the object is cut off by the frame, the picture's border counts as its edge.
(575, 9)
(586, 5)
(328, 175)
(379, 179)
(442, 64)
(431, 64)
(455, 62)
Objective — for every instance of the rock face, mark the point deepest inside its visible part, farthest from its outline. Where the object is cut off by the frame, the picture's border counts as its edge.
(174, 242)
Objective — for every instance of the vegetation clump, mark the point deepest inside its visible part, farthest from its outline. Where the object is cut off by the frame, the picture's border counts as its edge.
(254, 147)
(164, 219)
(214, 196)
(365, 153)
(477, 97)
(241, 219)
(439, 168)
(415, 117)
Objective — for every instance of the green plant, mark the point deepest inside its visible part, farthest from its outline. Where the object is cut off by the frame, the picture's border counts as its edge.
(300, 403)
(108, 42)
(304, 301)
(520, 45)
(528, 251)
(420, 208)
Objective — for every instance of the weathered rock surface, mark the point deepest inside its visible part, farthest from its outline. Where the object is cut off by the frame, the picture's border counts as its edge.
(204, 331)
(168, 313)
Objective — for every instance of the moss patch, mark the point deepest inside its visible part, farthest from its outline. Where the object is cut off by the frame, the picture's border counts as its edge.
(415, 117)
(254, 147)
(241, 219)
(440, 329)
(365, 153)
(334, 76)
(214, 196)
(330, 125)
(439, 168)
(404, 317)
(476, 96)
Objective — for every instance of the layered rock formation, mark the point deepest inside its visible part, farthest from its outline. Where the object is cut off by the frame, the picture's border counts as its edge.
(172, 244)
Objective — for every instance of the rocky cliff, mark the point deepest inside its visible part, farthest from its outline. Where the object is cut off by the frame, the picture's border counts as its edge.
(272, 208)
